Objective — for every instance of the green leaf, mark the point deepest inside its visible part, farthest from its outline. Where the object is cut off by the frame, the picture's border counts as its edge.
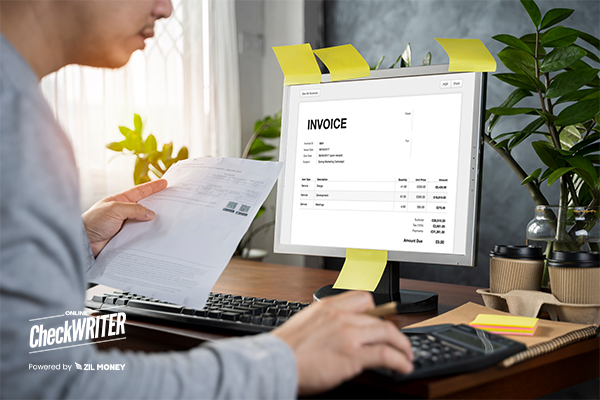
(183, 154)
(518, 139)
(271, 132)
(558, 173)
(595, 158)
(257, 125)
(534, 125)
(376, 66)
(587, 142)
(258, 146)
(545, 175)
(517, 80)
(263, 158)
(561, 57)
(137, 123)
(590, 39)
(116, 146)
(134, 142)
(570, 81)
(150, 145)
(512, 99)
(589, 54)
(396, 62)
(582, 94)
(559, 37)
(554, 16)
(531, 177)
(534, 12)
(569, 136)
(167, 151)
(547, 154)
(407, 56)
(585, 169)
(427, 59)
(511, 111)
(546, 116)
(521, 62)
(513, 42)
(140, 172)
(578, 112)
(125, 131)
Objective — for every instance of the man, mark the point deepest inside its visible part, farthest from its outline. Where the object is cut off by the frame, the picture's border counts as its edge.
(45, 253)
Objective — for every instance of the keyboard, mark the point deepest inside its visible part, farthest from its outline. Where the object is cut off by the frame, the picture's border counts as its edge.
(222, 312)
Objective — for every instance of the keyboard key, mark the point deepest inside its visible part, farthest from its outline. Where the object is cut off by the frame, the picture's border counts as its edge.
(246, 318)
(154, 306)
(214, 314)
(283, 313)
(122, 302)
(256, 320)
(201, 313)
(268, 321)
(230, 316)
(99, 299)
(188, 311)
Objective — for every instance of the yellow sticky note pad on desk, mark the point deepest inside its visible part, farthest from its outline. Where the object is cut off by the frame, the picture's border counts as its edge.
(343, 62)
(505, 324)
(298, 64)
(362, 270)
(468, 55)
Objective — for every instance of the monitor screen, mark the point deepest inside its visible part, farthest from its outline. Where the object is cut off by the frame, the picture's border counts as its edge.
(388, 162)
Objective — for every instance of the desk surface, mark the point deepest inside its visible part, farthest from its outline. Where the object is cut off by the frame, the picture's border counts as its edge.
(546, 374)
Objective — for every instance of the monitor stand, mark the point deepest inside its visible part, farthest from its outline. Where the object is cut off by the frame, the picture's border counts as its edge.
(411, 301)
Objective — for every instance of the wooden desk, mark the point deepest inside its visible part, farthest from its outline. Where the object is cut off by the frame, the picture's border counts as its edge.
(546, 374)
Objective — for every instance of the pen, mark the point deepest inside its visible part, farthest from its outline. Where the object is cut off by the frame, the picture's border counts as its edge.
(383, 309)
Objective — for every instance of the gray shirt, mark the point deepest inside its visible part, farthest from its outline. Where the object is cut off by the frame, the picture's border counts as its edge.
(43, 259)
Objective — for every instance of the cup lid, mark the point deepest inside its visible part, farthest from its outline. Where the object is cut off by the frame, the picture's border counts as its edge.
(574, 259)
(518, 252)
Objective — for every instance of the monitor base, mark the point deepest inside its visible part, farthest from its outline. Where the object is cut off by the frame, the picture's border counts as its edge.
(411, 301)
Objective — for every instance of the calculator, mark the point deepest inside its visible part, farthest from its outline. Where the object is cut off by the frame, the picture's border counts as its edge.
(451, 349)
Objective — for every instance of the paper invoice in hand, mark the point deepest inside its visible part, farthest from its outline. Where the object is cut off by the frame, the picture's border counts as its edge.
(200, 218)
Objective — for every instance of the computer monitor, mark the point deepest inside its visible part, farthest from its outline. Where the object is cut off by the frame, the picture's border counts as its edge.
(386, 162)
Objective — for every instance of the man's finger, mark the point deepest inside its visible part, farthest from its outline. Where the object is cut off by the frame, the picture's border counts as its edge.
(384, 356)
(354, 301)
(140, 192)
(135, 211)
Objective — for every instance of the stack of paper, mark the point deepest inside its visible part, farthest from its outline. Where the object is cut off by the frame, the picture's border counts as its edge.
(506, 324)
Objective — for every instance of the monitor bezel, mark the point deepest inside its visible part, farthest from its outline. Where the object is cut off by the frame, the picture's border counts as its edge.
(470, 256)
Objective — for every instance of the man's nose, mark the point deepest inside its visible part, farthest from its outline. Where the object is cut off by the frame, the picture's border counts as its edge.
(162, 9)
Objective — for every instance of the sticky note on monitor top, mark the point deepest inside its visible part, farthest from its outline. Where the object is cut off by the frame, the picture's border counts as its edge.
(506, 324)
(468, 55)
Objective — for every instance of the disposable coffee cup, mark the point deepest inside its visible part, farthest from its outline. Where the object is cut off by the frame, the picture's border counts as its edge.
(575, 276)
(516, 268)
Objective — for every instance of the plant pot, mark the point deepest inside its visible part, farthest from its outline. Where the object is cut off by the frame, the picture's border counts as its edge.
(575, 277)
(567, 228)
(516, 268)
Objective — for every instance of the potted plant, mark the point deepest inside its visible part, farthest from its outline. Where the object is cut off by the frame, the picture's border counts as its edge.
(148, 158)
(550, 66)
(263, 141)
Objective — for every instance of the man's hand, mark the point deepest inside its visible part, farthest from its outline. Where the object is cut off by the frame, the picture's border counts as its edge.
(105, 218)
(333, 341)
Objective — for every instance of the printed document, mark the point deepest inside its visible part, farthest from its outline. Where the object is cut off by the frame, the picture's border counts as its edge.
(200, 219)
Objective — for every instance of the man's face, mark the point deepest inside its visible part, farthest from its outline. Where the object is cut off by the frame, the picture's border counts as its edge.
(109, 31)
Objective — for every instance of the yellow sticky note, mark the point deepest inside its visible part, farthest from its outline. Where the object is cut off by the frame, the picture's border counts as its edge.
(362, 270)
(298, 64)
(344, 62)
(504, 321)
(468, 55)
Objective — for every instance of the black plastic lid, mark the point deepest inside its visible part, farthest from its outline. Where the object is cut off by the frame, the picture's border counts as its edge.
(518, 252)
(574, 259)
